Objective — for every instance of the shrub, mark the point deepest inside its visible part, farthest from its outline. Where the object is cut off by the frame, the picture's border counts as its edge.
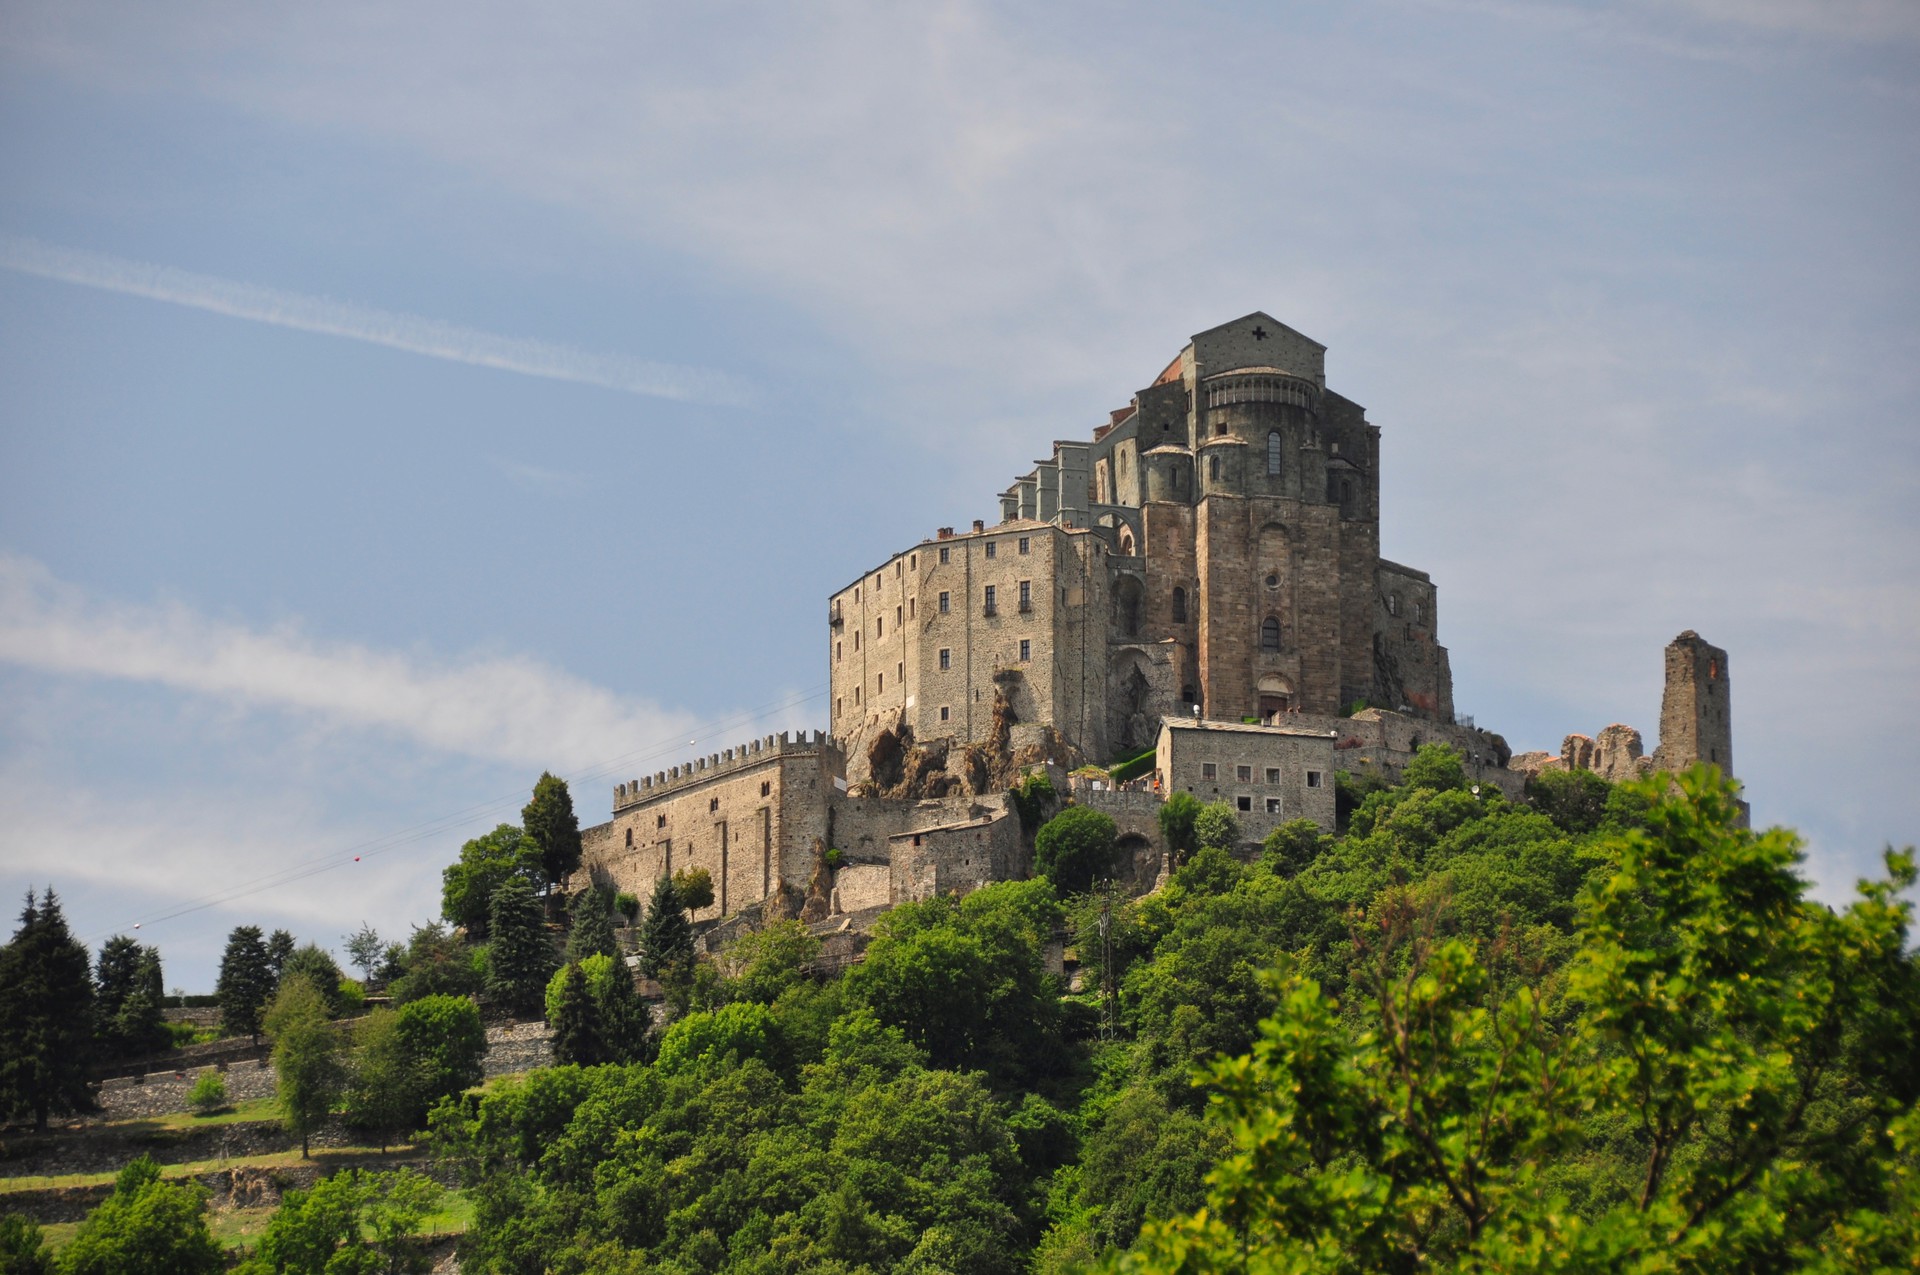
(732, 1033)
(1075, 848)
(628, 905)
(209, 1093)
(1215, 828)
(1177, 815)
(1032, 797)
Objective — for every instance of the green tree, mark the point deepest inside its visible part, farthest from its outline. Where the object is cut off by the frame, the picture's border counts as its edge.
(1215, 828)
(364, 949)
(1177, 815)
(1075, 848)
(592, 929)
(46, 1016)
(1716, 1092)
(407, 1059)
(550, 821)
(767, 963)
(666, 940)
(1435, 767)
(384, 1084)
(486, 863)
(145, 1225)
(23, 1249)
(436, 963)
(576, 1021)
(209, 1093)
(519, 955)
(280, 946)
(315, 964)
(246, 981)
(695, 888)
(128, 993)
(1293, 845)
(351, 1223)
(1576, 800)
(307, 1068)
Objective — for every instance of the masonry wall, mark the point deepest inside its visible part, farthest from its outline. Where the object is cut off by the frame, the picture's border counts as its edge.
(956, 858)
(1269, 775)
(1696, 707)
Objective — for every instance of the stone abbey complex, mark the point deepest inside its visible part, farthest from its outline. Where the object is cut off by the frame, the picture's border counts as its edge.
(1201, 578)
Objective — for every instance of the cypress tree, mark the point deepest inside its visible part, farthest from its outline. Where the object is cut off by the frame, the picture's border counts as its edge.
(519, 958)
(550, 821)
(576, 1022)
(623, 1017)
(592, 930)
(666, 941)
(246, 981)
(46, 1016)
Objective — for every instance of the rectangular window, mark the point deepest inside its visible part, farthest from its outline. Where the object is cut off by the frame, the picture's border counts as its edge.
(945, 604)
(1245, 803)
(836, 652)
(1023, 544)
(1273, 774)
(880, 680)
(839, 706)
(1208, 770)
(945, 712)
(856, 697)
(766, 788)
(990, 548)
(899, 614)
(945, 556)
(1244, 774)
(1026, 595)
(880, 626)
(1026, 650)
(1273, 805)
(900, 670)
(910, 604)
(856, 640)
(913, 562)
(856, 593)
(991, 609)
(946, 659)
(1313, 779)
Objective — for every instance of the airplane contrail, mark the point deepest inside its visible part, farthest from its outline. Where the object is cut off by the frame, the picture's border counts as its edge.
(413, 333)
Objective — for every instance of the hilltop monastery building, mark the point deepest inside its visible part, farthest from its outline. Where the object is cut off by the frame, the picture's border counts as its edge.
(1202, 578)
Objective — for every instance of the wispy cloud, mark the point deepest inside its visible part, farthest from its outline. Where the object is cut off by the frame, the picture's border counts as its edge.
(503, 708)
(413, 333)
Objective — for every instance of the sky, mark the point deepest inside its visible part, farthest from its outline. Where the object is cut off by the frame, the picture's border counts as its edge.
(397, 401)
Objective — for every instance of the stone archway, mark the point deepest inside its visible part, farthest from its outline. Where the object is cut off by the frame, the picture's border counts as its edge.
(1275, 696)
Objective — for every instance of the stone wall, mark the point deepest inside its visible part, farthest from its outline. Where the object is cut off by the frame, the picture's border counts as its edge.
(1268, 774)
(1696, 708)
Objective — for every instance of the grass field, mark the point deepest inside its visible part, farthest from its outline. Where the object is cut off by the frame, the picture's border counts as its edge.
(242, 1228)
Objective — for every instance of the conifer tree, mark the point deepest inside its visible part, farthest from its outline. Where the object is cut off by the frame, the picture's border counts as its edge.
(592, 931)
(577, 1034)
(246, 981)
(623, 1016)
(280, 947)
(129, 1012)
(666, 941)
(550, 821)
(519, 958)
(46, 1016)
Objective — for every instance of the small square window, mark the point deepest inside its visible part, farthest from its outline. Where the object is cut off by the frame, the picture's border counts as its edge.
(991, 546)
(1243, 773)
(1273, 805)
(946, 659)
(1208, 770)
(946, 603)
(1026, 649)
(945, 712)
(945, 556)
(1245, 803)
(1023, 544)
(1313, 779)
(1273, 774)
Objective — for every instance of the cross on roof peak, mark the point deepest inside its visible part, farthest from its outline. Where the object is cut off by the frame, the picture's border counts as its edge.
(1259, 333)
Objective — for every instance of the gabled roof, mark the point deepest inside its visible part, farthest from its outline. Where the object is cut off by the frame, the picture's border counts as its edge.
(1263, 318)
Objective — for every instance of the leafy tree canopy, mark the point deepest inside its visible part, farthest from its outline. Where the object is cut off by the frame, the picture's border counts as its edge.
(1075, 849)
(145, 1225)
(550, 821)
(486, 863)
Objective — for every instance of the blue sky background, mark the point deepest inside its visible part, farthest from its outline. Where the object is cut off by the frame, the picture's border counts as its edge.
(398, 400)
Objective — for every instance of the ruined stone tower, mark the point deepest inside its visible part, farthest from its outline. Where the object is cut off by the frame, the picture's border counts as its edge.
(1696, 719)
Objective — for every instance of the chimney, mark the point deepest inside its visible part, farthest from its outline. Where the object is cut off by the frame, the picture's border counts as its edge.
(979, 524)
(945, 533)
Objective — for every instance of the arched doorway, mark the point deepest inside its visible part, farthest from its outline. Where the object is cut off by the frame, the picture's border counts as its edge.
(1276, 698)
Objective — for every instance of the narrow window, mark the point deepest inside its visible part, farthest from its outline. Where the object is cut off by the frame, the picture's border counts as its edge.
(990, 608)
(879, 626)
(900, 670)
(944, 556)
(856, 641)
(713, 804)
(629, 838)
(1026, 595)
(1213, 469)
(1269, 634)
(1419, 612)
(856, 593)
(1186, 695)
(1393, 604)
(659, 821)
(880, 683)
(945, 712)
(1023, 544)
(1243, 773)
(910, 607)
(839, 706)
(856, 697)
(1126, 542)
(913, 562)
(1179, 605)
(1207, 770)
(1245, 803)
(991, 546)
(897, 565)
(945, 603)
(1313, 779)
(1273, 454)
(1026, 650)
(1273, 774)
(766, 787)
(836, 652)
(946, 659)
(899, 613)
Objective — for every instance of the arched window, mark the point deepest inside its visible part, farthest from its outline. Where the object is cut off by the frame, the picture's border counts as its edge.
(1270, 634)
(1273, 454)
(1179, 605)
(1213, 469)
(1393, 604)
(1126, 542)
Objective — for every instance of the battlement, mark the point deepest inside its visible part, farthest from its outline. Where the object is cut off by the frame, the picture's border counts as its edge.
(753, 753)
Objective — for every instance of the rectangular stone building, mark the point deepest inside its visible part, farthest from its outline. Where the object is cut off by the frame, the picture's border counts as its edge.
(1269, 775)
